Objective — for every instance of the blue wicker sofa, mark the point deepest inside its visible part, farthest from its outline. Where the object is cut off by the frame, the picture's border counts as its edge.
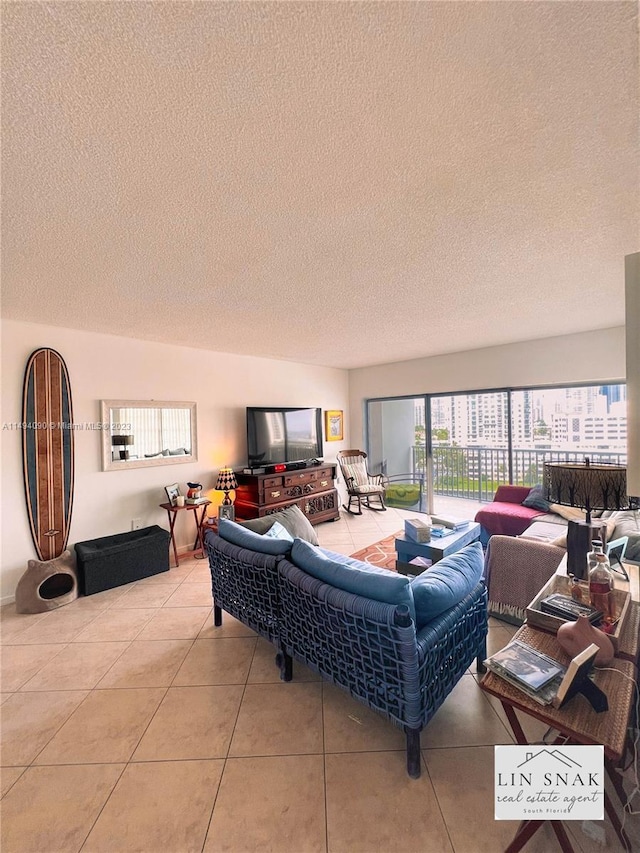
(395, 648)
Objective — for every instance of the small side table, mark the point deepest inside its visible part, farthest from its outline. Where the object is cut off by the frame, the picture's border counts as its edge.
(576, 722)
(172, 512)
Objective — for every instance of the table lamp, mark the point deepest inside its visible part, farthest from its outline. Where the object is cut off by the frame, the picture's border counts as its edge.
(587, 486)
(226, 483)
(124, 442)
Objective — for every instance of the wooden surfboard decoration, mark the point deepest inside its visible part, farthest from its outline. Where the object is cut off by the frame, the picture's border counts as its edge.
(47, 451)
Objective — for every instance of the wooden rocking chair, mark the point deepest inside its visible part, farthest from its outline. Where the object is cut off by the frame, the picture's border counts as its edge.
(361, 485)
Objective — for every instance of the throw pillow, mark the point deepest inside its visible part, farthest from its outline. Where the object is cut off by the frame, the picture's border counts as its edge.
(355, 471)
(277, 531)
(353, 576)
(243, 538)
(292, 519)
(627, 523)
(446, 583)
(536, 500)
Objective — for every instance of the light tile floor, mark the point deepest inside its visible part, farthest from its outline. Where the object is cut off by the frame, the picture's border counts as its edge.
(130, 724)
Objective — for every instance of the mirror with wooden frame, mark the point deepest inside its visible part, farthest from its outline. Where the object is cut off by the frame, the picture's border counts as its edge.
(144, 433)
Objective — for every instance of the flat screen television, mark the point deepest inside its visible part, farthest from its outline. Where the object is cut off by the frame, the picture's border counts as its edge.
(281, 435)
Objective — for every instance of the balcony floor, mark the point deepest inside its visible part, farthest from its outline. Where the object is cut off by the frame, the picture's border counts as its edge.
(456, 506)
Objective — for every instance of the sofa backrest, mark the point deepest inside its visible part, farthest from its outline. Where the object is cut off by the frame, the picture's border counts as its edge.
(511, 494)
(363, 645)
(353, 576)
(244, 583)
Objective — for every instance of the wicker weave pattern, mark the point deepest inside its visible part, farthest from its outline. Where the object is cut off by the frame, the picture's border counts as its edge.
(349, 640)
(371, 649)
(447, 647)
(577, 718)
(245, 584)
(368, 648)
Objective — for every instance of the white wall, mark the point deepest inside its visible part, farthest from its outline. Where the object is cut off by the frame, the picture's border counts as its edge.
(106, 367)
(591, 356)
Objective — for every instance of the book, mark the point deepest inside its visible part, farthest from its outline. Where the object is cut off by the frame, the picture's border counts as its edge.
(195, 501)
(544, 696)
(439, 531)
(557, 684)
(450, 521)
(565, 607)
(526, 666)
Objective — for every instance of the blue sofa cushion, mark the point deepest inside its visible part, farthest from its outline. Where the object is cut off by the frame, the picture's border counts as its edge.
(536, 500)
(446, 583)
(243, 538)
(353, 576)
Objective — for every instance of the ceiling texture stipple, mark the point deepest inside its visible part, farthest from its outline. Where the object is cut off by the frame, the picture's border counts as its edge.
(341, 184)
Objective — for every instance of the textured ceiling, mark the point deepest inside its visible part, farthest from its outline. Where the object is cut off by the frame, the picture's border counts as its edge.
(333, 183)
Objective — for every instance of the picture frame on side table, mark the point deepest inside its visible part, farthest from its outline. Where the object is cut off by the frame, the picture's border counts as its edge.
(227, 511)
(172, 493)
(616, 549)
(334, 425)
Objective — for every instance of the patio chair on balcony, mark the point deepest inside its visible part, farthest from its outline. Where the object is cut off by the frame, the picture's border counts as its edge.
(361, 485)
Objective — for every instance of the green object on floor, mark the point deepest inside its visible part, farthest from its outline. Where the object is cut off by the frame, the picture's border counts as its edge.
(402, 495)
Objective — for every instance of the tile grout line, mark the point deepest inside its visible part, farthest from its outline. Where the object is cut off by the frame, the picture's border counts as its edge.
(437, 799)
(129, 761)
(226, 757)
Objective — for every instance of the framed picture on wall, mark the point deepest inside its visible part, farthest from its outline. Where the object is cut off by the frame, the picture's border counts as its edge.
(333, 425)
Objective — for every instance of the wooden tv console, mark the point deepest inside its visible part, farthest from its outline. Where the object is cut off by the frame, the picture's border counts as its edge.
(312, 489)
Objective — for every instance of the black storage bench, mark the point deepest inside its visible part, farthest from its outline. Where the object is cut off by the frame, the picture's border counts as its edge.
(125, 557)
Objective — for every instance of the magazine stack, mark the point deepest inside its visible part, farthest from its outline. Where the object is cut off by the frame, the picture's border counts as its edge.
(545, 680)
(531, 671)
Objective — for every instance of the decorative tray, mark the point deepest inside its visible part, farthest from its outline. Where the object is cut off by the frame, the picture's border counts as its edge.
(562, 584)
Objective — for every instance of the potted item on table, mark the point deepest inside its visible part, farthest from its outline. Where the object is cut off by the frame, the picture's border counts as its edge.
(195, 491)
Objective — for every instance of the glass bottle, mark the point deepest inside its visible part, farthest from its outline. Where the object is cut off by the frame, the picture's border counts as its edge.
(600, 580)
(576, 592)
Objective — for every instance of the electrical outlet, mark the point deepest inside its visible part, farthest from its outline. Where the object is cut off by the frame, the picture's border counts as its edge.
(136, 523)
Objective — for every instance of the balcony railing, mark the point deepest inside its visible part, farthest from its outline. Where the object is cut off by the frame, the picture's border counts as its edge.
(475, 473)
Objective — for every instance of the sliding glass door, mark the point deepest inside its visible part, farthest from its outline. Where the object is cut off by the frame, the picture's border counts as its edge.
(461, 447)
(470, 444)
(397, 448)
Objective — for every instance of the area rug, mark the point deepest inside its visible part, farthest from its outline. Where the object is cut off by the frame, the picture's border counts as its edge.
(381, 554)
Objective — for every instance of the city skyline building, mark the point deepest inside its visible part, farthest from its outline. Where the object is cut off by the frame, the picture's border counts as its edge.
(577, 418)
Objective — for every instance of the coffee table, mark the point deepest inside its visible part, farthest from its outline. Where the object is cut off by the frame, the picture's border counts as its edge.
(435, 550)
